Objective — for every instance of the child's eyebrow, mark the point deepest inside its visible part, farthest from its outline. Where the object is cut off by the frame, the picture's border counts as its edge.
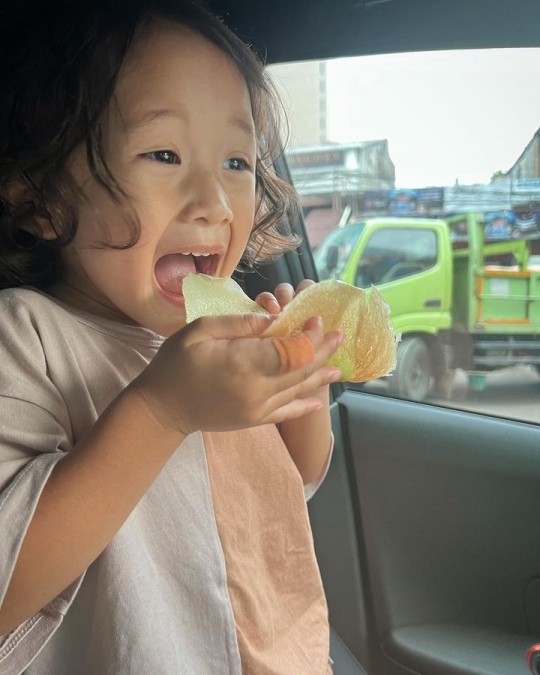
(152, 116)
(149, 118)
(245, 126)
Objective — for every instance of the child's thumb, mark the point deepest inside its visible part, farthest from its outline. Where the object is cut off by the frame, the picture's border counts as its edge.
(232, 326)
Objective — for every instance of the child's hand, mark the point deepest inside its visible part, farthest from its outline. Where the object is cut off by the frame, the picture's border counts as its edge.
(216, 374)
(306, 438)
(283, 294)
(281, 297)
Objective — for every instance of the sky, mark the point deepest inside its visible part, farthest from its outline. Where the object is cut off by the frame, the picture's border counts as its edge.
(447, 115)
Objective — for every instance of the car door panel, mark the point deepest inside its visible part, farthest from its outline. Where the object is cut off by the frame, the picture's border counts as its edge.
(334, 520)
(446, 520)
(456, 650)
(343, 661)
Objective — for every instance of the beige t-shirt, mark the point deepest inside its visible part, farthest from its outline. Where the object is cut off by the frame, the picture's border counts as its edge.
(213, 572)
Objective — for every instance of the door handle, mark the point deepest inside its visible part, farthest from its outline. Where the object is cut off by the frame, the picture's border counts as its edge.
(533, 659)
(434, 302)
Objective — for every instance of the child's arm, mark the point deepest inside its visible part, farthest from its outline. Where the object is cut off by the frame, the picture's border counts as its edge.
(215, 374)
(308, 439)
(88, 496)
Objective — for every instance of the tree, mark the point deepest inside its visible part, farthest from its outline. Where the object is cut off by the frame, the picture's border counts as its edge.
(498, 175)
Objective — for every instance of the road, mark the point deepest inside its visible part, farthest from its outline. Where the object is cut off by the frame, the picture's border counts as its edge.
(512, 393)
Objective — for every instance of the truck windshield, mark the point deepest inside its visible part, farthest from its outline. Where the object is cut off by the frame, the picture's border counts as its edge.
(342, 240)
(393, 253)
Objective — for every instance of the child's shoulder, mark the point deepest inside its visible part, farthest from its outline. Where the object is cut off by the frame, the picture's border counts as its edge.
(25, 313)
(25, 305)
(23, 294)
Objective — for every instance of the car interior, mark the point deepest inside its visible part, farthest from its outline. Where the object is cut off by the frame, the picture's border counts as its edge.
(427, 527)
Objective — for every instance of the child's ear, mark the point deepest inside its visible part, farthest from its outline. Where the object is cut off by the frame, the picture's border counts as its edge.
(42, 229)
(18, 193)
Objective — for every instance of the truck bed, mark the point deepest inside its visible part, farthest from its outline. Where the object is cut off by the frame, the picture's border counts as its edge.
(507, 300)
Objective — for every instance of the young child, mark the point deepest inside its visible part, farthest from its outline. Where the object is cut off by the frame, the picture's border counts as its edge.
(152, 517)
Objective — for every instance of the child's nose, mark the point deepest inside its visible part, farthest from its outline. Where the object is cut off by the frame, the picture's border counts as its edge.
(205, 199)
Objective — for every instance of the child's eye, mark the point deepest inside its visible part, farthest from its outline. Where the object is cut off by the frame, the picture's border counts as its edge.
(164, 156)
(236, 164)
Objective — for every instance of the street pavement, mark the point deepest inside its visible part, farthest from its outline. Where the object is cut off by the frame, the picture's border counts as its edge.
(512, 393)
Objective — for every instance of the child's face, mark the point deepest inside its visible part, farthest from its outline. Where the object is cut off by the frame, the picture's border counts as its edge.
(180, 140)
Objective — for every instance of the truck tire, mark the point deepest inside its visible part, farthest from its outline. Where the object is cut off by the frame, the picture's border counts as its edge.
(412, 378)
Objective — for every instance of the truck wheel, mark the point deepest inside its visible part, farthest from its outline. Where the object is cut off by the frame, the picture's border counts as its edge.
(414, 370)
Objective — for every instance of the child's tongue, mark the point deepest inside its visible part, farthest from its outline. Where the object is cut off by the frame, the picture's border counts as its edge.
(171, 270)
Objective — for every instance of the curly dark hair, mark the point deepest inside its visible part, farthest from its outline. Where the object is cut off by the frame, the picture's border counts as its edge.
(60, 62)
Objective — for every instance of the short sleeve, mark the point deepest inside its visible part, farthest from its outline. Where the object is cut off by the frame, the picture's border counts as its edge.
(311, 488)
(30, 441)
(34, 436)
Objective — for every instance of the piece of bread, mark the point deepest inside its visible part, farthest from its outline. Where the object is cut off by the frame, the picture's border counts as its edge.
(369, 346)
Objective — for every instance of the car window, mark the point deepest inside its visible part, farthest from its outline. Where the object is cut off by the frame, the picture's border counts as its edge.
(332, 256)
(392, 254)
(420, 173)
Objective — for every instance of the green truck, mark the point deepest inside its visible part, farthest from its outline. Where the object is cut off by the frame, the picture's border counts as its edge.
(458, 299)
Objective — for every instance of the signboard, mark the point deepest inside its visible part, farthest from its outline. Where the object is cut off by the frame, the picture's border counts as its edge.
(501, 226)
(511, 225)
(528, 184)
(317, 159)
(421, 202)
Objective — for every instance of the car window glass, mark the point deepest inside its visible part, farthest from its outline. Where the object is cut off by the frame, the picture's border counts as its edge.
(338, 245)
(392, 254)
(420, 173)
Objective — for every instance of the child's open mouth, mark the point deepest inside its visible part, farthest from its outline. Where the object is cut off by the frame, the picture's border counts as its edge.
(171, 269)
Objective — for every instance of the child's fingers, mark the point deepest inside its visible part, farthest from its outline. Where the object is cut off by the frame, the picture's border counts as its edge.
(294, 352)
(293, 408)
(314, 328)
(268, 302)
(320, 378)
(301, 382)
(284, 294)
(290, 399)
(284, 354)
(330, 343)
(289, 360)
(291, 370)
(304, 284)
(304, 389)
(226, 327)
(298, 351)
